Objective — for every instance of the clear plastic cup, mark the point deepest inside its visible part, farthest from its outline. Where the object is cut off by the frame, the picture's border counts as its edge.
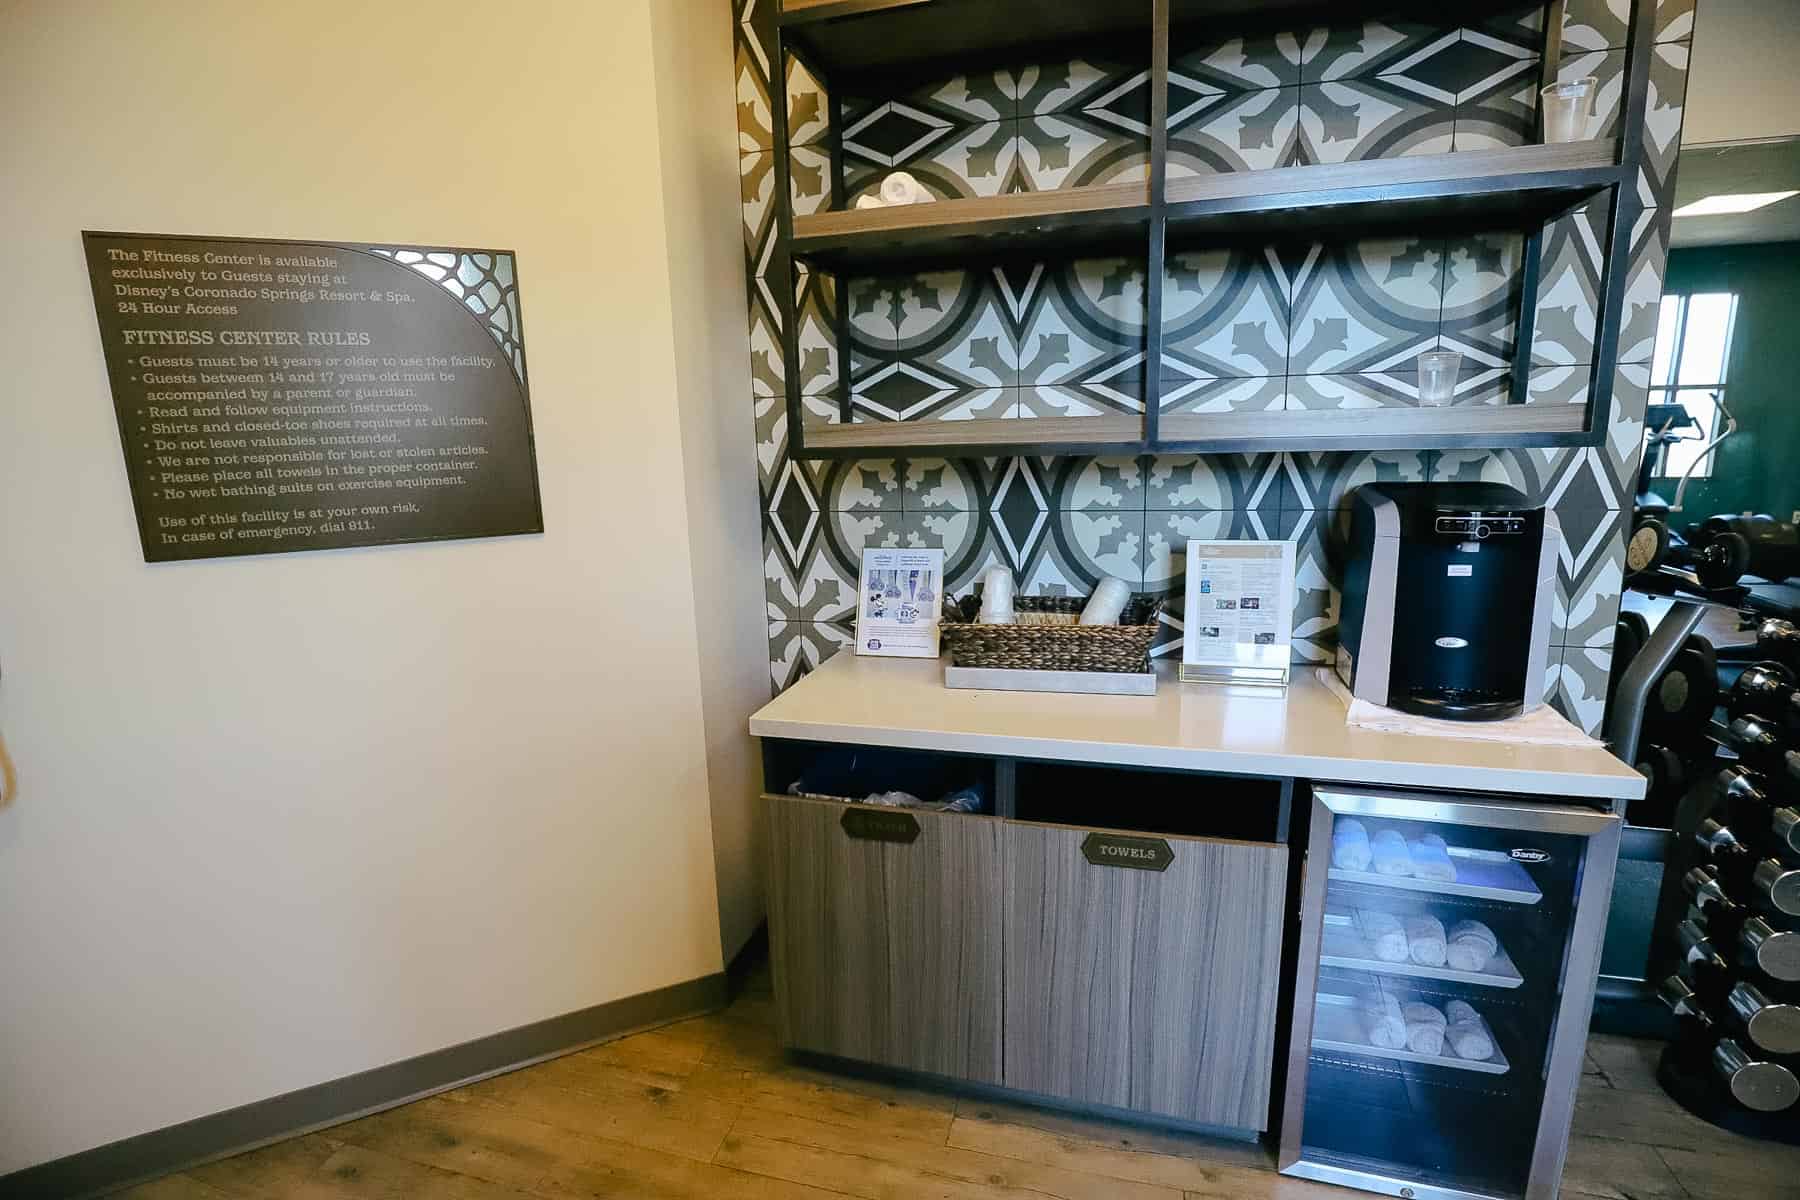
(1569, 110)
(1437, 375)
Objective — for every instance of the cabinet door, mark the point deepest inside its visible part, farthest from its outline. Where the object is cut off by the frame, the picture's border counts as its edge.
(943, 944)
(1146, 989)
(885, 945)
(827, 931)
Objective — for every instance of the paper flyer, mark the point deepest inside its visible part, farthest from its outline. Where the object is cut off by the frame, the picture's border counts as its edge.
(900, 602)
(1238, 619)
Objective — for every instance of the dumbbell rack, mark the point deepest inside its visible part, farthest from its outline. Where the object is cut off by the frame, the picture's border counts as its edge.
(1690, 1069)
(1688, 604)
(1628, 1004)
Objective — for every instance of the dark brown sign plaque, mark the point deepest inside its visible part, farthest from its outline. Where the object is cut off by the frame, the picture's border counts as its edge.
(1123, 850)
(880, 825)
(276, 396)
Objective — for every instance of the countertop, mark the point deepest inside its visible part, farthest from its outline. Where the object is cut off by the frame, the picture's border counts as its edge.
(1298, 731)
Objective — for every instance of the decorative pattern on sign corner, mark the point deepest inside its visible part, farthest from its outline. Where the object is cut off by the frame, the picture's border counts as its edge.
(486, 285)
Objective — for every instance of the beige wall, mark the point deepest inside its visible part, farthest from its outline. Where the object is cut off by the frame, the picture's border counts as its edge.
(1744, 82)
(696, 108)
(287, 818)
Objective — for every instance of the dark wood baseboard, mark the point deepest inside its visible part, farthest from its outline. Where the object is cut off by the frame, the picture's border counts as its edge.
(222, 1134)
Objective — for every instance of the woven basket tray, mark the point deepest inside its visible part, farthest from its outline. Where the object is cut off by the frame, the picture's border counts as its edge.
(1047, 637)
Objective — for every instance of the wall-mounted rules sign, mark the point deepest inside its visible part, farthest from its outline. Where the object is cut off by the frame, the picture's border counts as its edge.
(276, 396)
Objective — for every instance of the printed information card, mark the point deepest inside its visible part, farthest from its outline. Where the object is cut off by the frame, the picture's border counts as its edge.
(900, 603)
(1239, 615)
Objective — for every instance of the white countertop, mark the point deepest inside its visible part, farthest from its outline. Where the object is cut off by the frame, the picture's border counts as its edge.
(1298, 731)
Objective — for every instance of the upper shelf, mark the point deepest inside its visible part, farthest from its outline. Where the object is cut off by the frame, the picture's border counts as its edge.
(884, 35)
(1062, 219)
(1514, 188)
(1519, 187)
(880, 35)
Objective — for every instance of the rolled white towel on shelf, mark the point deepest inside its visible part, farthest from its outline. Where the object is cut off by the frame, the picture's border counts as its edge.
(1382, 934)
(1425, 1027)
(1107, 603)
(1389, 852)
(1383, 1021)
(901, 188)
(1424, 940)
(1467, 1033)
(1431, 859)
(870, 201)
(1350, 845)
(1470, 946)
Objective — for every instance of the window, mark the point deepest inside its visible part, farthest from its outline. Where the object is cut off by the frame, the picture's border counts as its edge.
(1693, 345)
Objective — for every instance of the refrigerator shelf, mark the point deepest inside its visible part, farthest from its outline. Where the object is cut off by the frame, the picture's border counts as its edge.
(1336, 1026)
(1343, 946)
(1482, 874)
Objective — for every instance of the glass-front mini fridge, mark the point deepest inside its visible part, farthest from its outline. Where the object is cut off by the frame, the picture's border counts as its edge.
(1447, 959)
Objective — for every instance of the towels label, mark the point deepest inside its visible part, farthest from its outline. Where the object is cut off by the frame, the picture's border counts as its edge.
(1120, 850)
(880, 825)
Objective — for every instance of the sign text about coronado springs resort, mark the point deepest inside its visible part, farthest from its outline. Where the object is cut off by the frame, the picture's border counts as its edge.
(278, 396)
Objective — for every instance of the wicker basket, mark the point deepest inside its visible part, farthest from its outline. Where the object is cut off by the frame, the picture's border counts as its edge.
(1047, 637)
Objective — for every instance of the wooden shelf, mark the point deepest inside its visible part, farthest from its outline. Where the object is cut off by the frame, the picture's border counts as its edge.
(1519, 187)
(1515, 188)
(859, 36)
(1065, 220)
(880, 45)
(1068, 434)
(1470, 425)
(888, 35)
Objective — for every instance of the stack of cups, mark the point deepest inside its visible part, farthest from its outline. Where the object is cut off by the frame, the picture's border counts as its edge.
(997, 597)
(1107, 603)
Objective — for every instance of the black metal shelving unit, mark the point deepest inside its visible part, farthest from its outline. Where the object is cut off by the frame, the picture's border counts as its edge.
(882, 43)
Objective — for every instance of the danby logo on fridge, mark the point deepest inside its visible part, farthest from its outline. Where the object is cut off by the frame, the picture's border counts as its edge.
(1524, 855)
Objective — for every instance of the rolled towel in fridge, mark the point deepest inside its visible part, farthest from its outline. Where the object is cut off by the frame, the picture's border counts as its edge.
(1424, 940)
(1431, 859)
(1425, 1027)
(1467, 1033)
(901, 188)
(1388, 849)
(1383, 1021)
(1382, 934)
(1470, 946)
(1350, 845)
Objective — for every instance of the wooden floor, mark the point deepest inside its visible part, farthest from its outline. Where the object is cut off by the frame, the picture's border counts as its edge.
(708, 1108)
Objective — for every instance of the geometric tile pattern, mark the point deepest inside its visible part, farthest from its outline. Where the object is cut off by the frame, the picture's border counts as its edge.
(1246, 327)
(1336, 325)
(1018, 340)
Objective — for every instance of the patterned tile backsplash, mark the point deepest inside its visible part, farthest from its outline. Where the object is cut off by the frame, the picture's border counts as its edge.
(1245, 328)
